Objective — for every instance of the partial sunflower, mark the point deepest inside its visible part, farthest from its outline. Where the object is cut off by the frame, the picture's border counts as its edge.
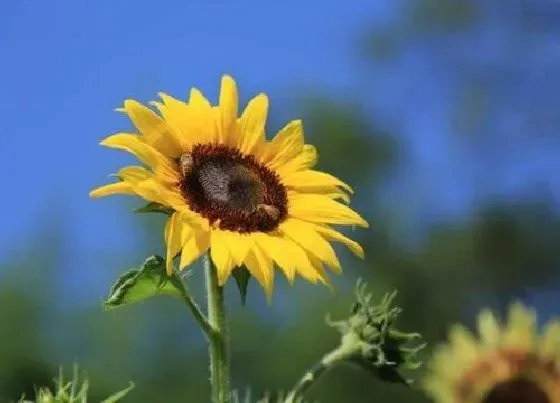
(509, 364)
(248, 200)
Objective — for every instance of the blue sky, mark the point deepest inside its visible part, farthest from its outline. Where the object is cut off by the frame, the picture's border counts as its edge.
(66, 65)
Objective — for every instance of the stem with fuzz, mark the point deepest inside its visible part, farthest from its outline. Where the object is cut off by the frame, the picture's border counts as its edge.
(219, 355)
(343, 353)
(197, 313)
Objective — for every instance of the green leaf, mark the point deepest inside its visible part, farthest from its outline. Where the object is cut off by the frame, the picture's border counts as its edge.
(139, 284)
(242, 276)
(119, 395)
(154, 207)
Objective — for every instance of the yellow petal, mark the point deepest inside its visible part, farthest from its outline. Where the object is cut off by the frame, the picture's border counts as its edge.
(439, 389)
(283, 251)
(154, 129)
(151, 190)
(154, 191)
(197, 244)
(441, 358)
(322, 210)
(321, 272)
(307, 267)
(173, 237)
(286, 145)
(305, 234)
(172, 102)
(182, 119)
(550, 343)
(339, 195)
(198, 100)
(314, 181)
(134, 174)
(252, 123)
(489, 328)
(336, 236)
(304, 265)
(464, 345)
(228, 111)
(221, 255)
(129, 176)
(520, 331)
(306, 159)
(165, 169)
(240, 246)
(204, 119)
(113, 188)
(133, 144)
(260, 266)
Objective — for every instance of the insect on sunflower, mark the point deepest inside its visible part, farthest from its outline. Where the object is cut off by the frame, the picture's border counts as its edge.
(510, 364)
(248, 200)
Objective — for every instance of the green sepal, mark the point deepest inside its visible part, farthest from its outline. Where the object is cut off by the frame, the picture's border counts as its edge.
(153, 207)
(139, 284)
(386, 373)
(242, 276)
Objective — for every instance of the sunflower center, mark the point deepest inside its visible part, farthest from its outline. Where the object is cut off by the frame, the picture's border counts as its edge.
(231, 189)
(519, 390)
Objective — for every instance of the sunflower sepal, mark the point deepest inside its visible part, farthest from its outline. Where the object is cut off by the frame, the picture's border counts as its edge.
(380, 348)
(137, 285)
(242, 277)
(153, 207)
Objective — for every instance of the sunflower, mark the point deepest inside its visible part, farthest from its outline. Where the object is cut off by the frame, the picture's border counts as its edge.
(247, 200)
(510, 364)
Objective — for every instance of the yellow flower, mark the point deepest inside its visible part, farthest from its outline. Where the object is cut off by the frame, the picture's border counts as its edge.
(248, 200)
(509, 364)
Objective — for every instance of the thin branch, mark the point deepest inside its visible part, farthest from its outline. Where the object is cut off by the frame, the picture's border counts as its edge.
(341, 354)
(197, 313)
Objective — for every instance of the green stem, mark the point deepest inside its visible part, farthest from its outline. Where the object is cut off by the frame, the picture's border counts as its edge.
(197, 313)
(343, 353)
(219, 358)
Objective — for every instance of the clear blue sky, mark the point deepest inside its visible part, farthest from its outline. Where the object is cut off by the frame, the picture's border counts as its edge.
(66, 65)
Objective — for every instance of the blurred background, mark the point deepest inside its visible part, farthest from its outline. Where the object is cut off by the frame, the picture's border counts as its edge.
(442, 114)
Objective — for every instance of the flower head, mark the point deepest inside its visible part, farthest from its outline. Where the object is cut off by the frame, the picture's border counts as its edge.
(250, 201)
(372, 341)
(74, 391)
(509, 364)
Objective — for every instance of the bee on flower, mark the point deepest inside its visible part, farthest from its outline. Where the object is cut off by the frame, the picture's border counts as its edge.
(245, 199)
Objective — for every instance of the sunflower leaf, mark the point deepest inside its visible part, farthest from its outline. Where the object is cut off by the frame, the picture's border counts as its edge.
(153, 207)
(150, 280)
(242, 276)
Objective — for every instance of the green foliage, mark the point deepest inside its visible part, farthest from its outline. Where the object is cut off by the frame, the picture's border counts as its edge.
(139, 284)
(72, 391)
(268, 397)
